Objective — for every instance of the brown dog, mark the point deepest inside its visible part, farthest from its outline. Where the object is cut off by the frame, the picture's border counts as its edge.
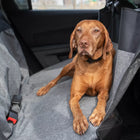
(91, 69)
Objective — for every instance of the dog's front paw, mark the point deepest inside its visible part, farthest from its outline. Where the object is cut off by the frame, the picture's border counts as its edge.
(80, 125)
(41, 91)
(96, 117)
(44, 90)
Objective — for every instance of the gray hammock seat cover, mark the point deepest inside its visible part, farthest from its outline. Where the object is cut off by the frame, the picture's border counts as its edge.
(49, 117)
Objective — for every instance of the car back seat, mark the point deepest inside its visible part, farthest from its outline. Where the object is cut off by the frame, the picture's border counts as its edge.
(48, 117)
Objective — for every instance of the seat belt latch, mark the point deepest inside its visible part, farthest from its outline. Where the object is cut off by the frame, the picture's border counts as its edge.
(14, 109)
(12, 117)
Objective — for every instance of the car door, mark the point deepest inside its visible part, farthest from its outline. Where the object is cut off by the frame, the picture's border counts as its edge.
(47, 32)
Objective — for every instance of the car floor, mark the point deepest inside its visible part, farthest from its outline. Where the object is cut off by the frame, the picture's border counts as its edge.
(131, 127)
(129, 112)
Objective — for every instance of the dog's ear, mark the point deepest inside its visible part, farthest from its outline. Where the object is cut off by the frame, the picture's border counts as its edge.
(72, 43)
(108, 46)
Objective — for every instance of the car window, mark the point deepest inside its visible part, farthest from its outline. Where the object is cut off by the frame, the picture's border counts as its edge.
(22, 4)
(67, 4)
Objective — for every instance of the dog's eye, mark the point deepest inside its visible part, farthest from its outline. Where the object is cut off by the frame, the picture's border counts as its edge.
(96, 30)
(79, 30)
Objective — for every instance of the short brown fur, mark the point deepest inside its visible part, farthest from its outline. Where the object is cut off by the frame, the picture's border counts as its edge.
(91, 39)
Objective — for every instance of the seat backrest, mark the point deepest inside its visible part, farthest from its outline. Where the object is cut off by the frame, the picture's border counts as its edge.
(129, 30)
(13, 72)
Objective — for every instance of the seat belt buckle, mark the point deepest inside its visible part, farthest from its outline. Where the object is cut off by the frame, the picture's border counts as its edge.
(12, 117)
(14, 109)
(16, 100)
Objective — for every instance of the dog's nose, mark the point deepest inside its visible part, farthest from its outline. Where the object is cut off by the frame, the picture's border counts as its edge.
(83, 43)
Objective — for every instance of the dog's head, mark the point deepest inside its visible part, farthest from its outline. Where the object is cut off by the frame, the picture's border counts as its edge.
(90, 38)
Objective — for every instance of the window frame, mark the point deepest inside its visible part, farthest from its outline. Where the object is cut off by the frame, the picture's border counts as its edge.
(31, 8)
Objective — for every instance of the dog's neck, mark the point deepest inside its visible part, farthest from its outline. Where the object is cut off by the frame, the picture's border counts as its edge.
(97, 57)
(90, 60)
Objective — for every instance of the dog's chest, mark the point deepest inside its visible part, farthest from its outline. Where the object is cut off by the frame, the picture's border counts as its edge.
(90, 77)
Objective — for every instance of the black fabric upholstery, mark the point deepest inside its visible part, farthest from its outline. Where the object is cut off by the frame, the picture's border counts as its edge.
(3, 24)
(129, 39)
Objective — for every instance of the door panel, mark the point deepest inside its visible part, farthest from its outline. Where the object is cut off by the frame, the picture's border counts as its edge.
(47, 32)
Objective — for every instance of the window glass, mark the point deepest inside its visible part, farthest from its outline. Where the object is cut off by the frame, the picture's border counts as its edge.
(68, 4)
(22, 4)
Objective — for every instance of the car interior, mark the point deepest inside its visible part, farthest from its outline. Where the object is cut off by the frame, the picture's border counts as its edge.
(34, 47)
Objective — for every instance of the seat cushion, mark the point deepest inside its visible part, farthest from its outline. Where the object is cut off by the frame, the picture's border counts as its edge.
(49, 116)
